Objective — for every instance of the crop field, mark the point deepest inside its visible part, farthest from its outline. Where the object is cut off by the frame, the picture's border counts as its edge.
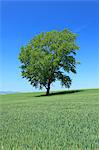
(61, 121)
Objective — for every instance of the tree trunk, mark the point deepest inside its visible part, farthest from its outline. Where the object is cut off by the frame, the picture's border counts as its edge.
(48, 89)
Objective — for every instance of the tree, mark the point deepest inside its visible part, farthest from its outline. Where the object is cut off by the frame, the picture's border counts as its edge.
(48, 57)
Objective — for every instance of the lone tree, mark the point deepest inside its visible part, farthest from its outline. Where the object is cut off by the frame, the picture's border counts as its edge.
(48, 57)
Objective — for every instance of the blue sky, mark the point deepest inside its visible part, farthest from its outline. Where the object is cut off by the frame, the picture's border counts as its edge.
(21, 20)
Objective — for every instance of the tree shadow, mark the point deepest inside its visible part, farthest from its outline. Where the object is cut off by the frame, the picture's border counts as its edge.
(60, 93)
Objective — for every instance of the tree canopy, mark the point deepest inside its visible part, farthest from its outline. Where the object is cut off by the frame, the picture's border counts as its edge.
(49, 56)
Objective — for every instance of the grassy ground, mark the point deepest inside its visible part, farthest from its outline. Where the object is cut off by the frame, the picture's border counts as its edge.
(63, 121)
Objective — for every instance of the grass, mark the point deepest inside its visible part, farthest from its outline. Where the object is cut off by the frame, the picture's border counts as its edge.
(62, 121)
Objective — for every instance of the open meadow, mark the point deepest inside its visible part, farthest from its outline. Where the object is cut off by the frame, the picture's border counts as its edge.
(61, 121)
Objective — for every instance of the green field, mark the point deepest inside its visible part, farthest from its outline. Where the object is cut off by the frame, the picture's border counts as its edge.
(64, 121)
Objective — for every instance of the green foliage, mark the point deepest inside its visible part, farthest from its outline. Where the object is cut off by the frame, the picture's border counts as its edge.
(46, 55)
(58, 122)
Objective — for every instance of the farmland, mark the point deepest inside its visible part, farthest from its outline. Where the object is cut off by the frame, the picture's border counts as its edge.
(61, 121)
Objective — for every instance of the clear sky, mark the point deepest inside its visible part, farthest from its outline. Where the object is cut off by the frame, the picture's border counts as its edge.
(21, 20)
